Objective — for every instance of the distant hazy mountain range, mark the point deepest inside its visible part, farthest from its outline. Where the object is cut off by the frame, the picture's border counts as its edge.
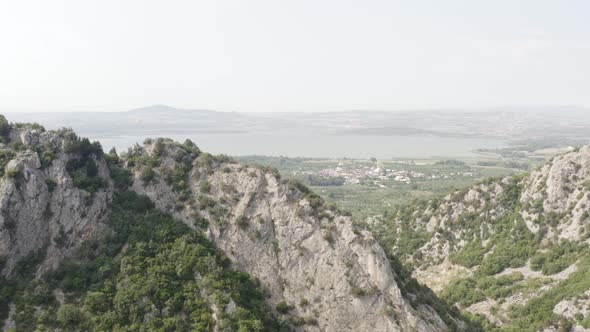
(570, 124)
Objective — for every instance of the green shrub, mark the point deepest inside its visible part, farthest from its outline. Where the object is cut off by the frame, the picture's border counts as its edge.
(4, 129)
(27, 266)
(297, 185)
(360, 291)
(69, 316)
(97, 302)
(470, 255)
(242, 221)
(204, 187)
(91, 185)
(463, 292)
(83, 147)
(147, 174)
(158, 147)
(205, 202)
(537, 313)
(31, 125)
(303, 302)
(46, 154)
(82, 167)
(513, 245)
(5, 157)
(91, 168)
(557, 258)
(122, 177)
(11, 173)
(283, 307)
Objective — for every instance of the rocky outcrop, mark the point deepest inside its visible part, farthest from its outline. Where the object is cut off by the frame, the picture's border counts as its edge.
(536, 225)
(43, 215)
(320, 271)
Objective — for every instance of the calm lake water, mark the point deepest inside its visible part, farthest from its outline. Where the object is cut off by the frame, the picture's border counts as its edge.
(316, 145)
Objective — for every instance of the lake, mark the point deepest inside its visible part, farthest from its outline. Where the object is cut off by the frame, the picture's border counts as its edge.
(318, 145)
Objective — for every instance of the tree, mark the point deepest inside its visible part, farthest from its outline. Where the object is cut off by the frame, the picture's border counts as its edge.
(147, 174)
(4, 128)
(69, 315)
(96, 302)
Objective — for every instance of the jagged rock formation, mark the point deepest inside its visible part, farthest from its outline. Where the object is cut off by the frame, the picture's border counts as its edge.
(509, 243)
(41, 210)
(307, 256)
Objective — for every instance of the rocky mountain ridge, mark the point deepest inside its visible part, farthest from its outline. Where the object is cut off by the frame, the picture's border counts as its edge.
(512, 249)
(305, 254)
(41, 208)
(319, 272)
(75, 222)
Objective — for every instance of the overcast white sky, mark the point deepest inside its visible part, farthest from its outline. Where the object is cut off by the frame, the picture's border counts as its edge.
(299, 55)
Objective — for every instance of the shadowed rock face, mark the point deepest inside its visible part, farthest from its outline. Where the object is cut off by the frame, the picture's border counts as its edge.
(40, 208)
(304, 253)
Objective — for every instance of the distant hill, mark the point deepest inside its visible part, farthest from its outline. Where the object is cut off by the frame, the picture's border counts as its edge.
(165, 110)
(535, 126)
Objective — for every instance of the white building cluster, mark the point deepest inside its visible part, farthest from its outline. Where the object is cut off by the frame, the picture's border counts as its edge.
(359, 173)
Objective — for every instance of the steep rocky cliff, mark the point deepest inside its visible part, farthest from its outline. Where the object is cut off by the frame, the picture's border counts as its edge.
(80, 252)
(514, 250)
(44, 215)
(315, 264)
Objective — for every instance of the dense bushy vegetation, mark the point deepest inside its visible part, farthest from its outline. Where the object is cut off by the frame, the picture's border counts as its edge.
(152, 273)
(83, 168)
(84, 174)
(556, 258)
(468, 291)
(489, 236)
(419, 294)
(400, 239)
(5, 157)
(470, 255)
(538, 312)
(513, 245)
(184, 156)
(4, 129)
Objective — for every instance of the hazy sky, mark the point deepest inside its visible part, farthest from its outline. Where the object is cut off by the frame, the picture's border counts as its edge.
(293, 55)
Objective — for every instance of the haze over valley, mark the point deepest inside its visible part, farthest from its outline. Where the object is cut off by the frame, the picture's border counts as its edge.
(351, 134)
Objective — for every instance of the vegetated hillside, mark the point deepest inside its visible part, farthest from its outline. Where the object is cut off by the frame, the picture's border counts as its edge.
(321, 272)
(169, 238)
(79, 252)
(513, 249)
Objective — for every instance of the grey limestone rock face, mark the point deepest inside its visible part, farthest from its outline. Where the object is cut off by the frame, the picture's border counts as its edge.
(311, 258)
(40, 208)
(318, 269)
(553, 204)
